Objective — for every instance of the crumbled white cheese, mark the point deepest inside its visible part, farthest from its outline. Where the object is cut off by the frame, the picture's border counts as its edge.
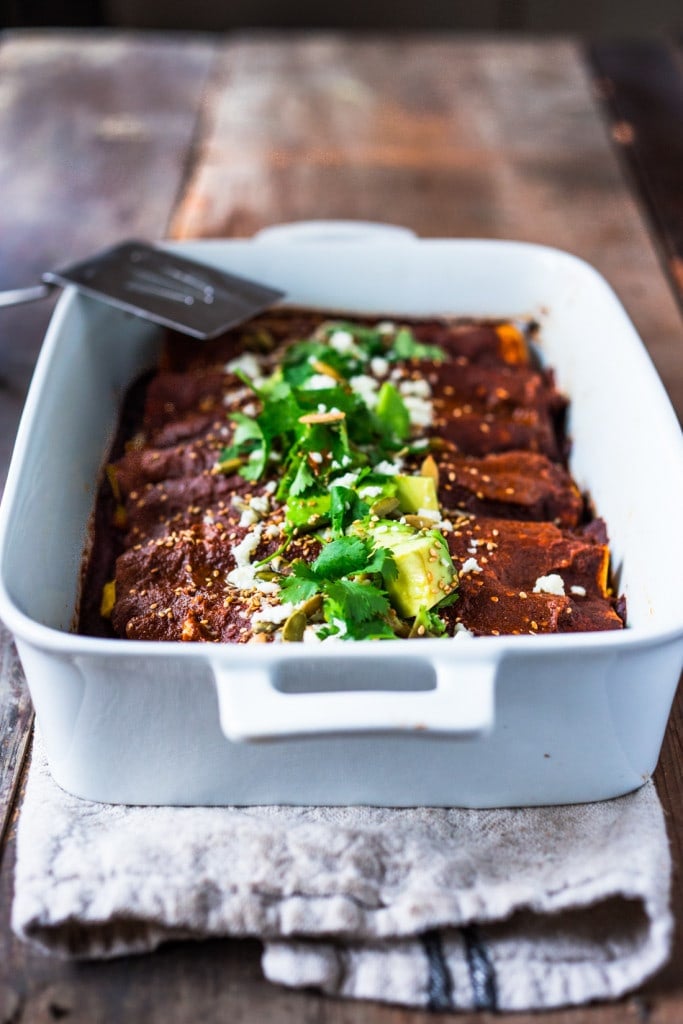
(462, 630)
(270, 487)
(244, 578)
(319, 382)
(247, 363)
(430, 513)
(271, 531)
(386, 468)
(379, 366)
(342, 342)
(250, 409)
(370, 491)
(275, 613)
(315, 457)
(244, 575)
(243, 551)
(419, 387)
(552, 584)
(579, 591)
(248, 517)
(236, 395)
(347, 480)
(420, 411)
(386, 327)
(260, 504)
(311, 635)
(365, 387)
(471, 565)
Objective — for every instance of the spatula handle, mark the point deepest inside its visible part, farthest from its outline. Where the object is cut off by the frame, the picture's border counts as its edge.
(15, 296)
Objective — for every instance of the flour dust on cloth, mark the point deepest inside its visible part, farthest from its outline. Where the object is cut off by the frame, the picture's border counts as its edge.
(440, 908)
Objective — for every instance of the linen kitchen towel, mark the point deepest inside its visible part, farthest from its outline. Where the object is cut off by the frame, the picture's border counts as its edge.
(447, 909)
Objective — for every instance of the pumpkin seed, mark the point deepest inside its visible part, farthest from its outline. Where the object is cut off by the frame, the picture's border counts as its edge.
(294, 627)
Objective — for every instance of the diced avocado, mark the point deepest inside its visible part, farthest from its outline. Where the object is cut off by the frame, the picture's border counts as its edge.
(425, 573)
(386, 533)
(308, 513)
(416, 492)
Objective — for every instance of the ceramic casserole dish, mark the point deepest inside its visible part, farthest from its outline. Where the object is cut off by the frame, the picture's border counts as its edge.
(477, 722)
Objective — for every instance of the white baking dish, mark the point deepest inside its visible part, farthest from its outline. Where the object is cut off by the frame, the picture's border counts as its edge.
(474, 722)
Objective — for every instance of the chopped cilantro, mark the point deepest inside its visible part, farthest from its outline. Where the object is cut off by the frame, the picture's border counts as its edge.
(345, 507)
(342, 557)
(353, 601)
(391, 412)
(350, 574)
(326, 439)
(427, 623)
(406, 346)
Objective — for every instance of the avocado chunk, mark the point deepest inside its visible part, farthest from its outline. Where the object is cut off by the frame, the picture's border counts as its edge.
(425, 573)
(416, 493)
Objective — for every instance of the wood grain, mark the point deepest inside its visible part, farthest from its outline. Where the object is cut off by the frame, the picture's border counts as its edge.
(641, 86)
(451, 137)
(97, 133)
(16, 716)
(455, 137)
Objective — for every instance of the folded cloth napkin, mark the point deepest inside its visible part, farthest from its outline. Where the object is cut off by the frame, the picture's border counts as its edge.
(440, 908)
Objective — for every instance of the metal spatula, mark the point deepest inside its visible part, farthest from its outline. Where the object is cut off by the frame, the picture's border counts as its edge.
(159, 285)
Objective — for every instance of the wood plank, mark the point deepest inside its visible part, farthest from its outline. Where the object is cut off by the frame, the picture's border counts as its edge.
(16, 716)
(641, 86)
(97, 132)
(458, 136)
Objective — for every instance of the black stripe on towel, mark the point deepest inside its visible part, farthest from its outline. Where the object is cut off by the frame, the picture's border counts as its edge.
(482, 973)
(439, 983)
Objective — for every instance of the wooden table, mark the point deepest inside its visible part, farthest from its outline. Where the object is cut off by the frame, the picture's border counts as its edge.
(106, 136)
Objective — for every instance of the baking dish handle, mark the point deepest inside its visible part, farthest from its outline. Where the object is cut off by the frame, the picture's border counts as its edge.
(251, 707)
(334, 231)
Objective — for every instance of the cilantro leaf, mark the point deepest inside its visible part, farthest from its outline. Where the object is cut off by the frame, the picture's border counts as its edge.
(373, 629)
(406, 346)
(369, 339)
(382, 561)
(248, 442)
(341, 557)
(302, 480)
(345, 508)
(391, 412)
(353, 601)
(302, 584)
(427, 623)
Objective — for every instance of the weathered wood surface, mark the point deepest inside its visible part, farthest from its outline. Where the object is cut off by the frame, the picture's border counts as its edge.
(94, 142)
(451, 137)
(641, 86)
